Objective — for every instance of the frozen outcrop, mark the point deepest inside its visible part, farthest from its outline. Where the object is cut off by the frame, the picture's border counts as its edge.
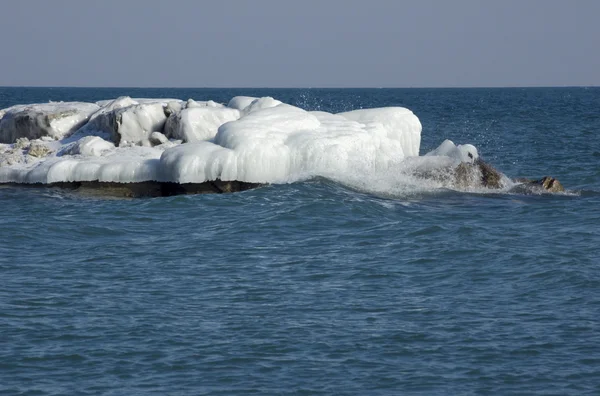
(157, 138)
(395, 123)
(252, 140)
(126, 121)
(38, 149)
(172, 146)
(55, 120)
(462, 153)
(241, 102)
(89, 146)
(196, 123)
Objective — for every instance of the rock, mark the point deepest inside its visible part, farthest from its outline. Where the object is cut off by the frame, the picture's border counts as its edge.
(241, 102)
(22, 143)
(479, 174)
(38, 150)
(198, 123)
(155, 189)
(12, 157)
(89, 146)
(490, 177)
(157, 138)
(123, 120)
(551, 184)
(56, 120)
(546, 183)
(172, 108)
(466, 153)
(482, 173)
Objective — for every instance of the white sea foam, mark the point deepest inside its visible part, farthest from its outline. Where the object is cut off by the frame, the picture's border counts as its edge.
(251, 139)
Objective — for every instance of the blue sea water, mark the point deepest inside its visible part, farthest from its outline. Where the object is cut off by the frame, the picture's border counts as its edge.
(314, 287)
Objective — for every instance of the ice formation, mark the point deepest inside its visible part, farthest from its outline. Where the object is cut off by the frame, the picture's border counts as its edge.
(255, 140)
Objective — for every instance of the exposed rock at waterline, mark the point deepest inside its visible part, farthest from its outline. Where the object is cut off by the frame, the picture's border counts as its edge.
(482, 174)
(546, 183)
(149, 188)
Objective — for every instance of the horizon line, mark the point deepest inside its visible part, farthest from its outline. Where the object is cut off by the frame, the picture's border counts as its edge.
(291, 87)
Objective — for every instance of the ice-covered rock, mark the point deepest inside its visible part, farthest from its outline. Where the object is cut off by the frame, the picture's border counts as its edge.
(462, 153)
(191, 103)
(198, 123)
(396, 123)
(10, 157)
(157, 138)
(89, 146)
(241, 102)
(126, 121)
(260, 104)
(22, 143)
(173, 107)
(34, 121)
(38, 149)
(163, 101)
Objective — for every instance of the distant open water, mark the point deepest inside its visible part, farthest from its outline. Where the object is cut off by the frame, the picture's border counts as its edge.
(315, 288)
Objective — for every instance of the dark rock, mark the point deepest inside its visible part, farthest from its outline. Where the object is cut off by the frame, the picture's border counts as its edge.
(490, 177)
(151, 188)
(546, 183)
(477, 174)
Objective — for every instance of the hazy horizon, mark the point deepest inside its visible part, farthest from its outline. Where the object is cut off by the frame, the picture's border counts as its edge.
(297, 87)
(308, 44)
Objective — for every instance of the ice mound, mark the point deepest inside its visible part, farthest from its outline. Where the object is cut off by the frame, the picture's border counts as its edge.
(251, 140)
(197, 123)
(55, 120)
(126, 121)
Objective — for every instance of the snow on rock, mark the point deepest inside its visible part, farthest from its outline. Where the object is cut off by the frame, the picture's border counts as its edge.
(89, 146)
(260, 104)
(462, 153)
(163, 101)
(396, 123)
(125, 121)
(34, 121)
(192, 103)
(38, 149)
(197, 123)
(157, 138)
(241, 102)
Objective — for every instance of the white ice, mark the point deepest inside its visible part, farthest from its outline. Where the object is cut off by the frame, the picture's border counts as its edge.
(251, 139)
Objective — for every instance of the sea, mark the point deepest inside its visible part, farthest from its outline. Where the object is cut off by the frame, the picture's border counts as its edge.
(314, 287)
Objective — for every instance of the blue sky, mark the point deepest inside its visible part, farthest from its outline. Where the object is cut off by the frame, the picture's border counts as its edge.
(308, 43)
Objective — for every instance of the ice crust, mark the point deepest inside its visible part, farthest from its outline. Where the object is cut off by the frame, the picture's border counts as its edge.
(54, 120)
(257, 140)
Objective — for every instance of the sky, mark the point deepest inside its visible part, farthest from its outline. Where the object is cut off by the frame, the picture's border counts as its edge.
(300, 43)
